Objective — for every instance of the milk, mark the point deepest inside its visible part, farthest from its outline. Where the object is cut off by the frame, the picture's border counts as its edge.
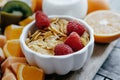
(75, 8)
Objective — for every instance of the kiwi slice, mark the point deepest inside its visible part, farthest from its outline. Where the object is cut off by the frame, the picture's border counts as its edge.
(8, 18)
(17, 8)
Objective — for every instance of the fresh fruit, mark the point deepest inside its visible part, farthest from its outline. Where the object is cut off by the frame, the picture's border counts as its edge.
(14, 66)
(8, 75)
(27, 72)
(13, 32)
(106, 25)
(2, 40)
(42, 21)
(74, 26)
(74, 41)
(62, 49)
(36, 5)
(13, 12)
(94, 5)
(17, 7)
(26, 21)
(12, 48)
(8, 18)
(11, 60)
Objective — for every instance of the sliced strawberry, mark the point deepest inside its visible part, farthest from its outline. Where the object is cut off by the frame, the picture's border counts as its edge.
(76, 27)
(42, 20)
(74, 41)
(62, 49)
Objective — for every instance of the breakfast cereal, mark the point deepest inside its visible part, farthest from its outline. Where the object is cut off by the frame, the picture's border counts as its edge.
(70, 34)
(44, 41)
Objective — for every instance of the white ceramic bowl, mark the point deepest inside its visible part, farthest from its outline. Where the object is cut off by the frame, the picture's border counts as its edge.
(57, 64)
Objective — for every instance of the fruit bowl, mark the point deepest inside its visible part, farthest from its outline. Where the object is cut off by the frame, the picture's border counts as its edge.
(58, 64)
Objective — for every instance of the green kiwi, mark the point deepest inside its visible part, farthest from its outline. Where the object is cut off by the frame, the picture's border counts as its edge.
(12, 12)
(8, 18)
(17, 8)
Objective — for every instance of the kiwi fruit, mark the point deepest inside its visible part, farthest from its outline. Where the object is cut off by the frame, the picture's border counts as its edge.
(13, 12)
(8, 18)
(17, 8)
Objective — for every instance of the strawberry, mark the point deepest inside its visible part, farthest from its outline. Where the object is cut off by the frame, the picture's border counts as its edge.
(42, 20)
(74, 41)
(76, 27)
(62, 49)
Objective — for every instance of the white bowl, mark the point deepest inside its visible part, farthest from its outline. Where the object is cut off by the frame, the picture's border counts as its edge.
(58, 64)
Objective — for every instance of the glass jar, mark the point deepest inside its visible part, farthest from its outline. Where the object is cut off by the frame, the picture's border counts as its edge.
(75, 8)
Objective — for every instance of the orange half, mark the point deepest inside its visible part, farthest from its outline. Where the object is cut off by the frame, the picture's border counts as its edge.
(105, 24)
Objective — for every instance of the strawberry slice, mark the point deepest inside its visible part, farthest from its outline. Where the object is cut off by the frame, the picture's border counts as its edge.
(76, 27)
(42, 21)
(62, 49)
(74, 41)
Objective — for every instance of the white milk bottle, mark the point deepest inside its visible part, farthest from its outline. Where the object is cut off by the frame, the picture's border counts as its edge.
(75, 8)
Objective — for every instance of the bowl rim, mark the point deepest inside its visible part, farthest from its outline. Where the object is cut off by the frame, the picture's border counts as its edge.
(26, 28)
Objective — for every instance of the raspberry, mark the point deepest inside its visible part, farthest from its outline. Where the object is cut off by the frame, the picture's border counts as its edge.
(42, 20)
(76, 27)
(62, 49)
(74, 41)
